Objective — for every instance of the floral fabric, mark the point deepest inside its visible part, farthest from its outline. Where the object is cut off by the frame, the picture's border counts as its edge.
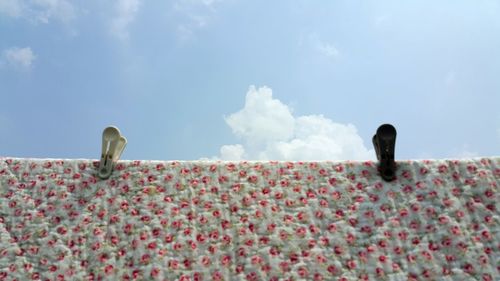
(195, 220)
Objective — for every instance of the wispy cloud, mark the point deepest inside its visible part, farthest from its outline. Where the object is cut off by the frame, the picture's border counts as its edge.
(269, 131)
(11, 8)
(323, 47)
(126, 11)
(327, 49)
(465, 152)
(39, 11)
(197, 14)
(19, 58)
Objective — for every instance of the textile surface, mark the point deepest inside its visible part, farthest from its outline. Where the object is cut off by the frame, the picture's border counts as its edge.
(208, 220)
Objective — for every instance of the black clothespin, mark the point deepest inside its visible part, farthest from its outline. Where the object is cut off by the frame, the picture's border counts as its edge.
(384, 142)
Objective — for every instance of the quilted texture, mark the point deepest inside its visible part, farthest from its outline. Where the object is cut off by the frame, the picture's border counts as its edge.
(195, 220)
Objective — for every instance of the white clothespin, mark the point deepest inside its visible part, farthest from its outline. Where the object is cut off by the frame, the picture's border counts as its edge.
(113, 144)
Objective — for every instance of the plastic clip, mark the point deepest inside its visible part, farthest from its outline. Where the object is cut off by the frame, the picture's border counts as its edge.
(384, 142)
(113, 144)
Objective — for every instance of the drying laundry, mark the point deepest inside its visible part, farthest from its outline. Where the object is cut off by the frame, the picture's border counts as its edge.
(209, 220)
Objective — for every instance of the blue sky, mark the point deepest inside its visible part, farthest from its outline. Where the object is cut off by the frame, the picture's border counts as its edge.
(230, 79)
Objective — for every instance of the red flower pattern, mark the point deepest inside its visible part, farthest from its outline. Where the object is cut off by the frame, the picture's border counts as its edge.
(249, 221)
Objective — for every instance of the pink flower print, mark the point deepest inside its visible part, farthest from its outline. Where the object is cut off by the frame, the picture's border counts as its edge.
(351, 264)
(187, 231)
(486, 235)
(242, 252)
(294, 258)
(226, 239)
(196, 277)
(350, 238)
(338, 250)
(483, 260)
(321, 259)
(152, 245)
(398, 250)
(177, 246)
(187, 263)
(216, 275)
(303, 272)
(273, 251)
(214, 234)
(249, 242)
(363, 256)
(468, 268)
(489, 193)
(103, 257)
(332, 269)
(200, 238)
(96, 246)
(488, 250)
(252, 276)
(52, 268)
(450, 258)
(332, 181)
(212, 249)
(300, 231)
(173, 264)
(226, 260)
(426, 255)
(177, 224)
(284, 266)
(487, 277)
(108, 269)
(205, 261)
(319, 214)
(338, 168)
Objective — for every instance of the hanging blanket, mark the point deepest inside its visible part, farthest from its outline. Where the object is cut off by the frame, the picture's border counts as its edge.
(208, 220)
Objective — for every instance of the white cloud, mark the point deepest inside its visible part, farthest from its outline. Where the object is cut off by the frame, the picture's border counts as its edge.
(465, 152)
(232, 152)
(126, 11)
(262, 118)
(315, 43)
(20, 58)
(270, 132)
(11, 8)
(59, 9)
(327, 49)
(197, 14)
(39, 11)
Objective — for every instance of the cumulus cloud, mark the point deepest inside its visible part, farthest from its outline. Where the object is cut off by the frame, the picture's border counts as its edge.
(232, 152)
(269, 131)
(20, 58)
(126, 11)
(39, 11)
(262, 118)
